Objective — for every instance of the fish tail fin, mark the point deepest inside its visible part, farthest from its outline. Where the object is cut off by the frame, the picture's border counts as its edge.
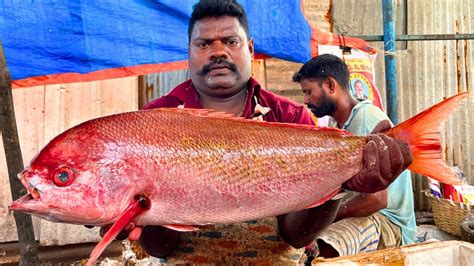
(422, 133)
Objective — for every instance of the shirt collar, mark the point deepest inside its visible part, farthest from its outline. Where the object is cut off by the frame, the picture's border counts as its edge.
(186, 93)
(254, 90)
(353, 112)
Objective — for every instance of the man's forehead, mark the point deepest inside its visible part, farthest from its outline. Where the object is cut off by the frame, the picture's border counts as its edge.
(309, 83)
(213, 27)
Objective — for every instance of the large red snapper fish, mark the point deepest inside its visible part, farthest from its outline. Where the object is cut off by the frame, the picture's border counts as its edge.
(185, 167)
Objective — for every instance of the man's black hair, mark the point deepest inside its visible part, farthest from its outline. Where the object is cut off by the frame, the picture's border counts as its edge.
(323, 66)
(218, 8)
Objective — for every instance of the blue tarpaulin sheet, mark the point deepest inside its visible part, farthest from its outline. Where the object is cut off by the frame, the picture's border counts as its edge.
(51, 38)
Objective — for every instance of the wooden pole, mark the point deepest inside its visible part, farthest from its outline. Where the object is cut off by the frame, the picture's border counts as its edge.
(11, 143)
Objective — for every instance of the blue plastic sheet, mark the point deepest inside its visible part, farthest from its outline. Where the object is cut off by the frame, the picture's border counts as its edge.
(53, 37)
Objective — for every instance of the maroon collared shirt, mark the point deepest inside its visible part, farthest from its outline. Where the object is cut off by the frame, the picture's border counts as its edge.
(281, 108)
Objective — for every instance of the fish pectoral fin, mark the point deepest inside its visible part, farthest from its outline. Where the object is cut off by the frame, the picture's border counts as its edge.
(140, 204)
(334, 194)
(181, 227)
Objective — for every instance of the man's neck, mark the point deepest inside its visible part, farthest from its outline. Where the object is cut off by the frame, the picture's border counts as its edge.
(234, 104)
(344, 109)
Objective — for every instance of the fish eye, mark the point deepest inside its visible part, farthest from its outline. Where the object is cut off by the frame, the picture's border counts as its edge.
(63, 177)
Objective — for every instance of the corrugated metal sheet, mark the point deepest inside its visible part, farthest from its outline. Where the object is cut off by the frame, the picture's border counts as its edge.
(153, 86)
(428, 71)
(432, 70)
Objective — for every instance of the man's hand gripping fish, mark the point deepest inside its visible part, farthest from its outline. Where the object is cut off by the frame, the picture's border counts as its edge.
(181, 168)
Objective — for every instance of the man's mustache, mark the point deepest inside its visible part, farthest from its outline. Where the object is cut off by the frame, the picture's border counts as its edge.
(219, 62)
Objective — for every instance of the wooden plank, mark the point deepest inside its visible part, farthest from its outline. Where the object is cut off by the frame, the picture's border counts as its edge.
(258, 71)
(142, 91)
(77, 103)
(29, 113)
(11, 142)
(123, 91)
(54, 118)
(133, 90)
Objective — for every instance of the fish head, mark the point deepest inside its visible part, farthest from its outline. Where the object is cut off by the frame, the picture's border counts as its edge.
(75, 179)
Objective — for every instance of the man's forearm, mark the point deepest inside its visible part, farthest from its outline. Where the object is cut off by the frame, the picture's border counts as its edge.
(301, 228)
(159, 241)
(363, 205)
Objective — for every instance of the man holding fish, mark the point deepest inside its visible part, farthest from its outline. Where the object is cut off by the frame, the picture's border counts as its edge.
(366, 222)
(220, 54)
(211, 186)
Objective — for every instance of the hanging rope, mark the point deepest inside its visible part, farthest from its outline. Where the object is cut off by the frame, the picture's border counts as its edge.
(346, 50)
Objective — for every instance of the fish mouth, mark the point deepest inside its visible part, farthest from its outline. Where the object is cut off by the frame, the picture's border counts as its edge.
(29, 202)
(23, 204)
(32, 190)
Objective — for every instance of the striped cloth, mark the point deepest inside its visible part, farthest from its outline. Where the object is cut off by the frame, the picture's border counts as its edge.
(360, 234)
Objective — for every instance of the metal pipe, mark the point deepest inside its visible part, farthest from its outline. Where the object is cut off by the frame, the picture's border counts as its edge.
(418, 37)
(71, 254)
(390, 66)
(11, 144)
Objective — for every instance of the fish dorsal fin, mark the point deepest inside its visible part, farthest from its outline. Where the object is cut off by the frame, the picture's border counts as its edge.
(133, 210)
(225, 116)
